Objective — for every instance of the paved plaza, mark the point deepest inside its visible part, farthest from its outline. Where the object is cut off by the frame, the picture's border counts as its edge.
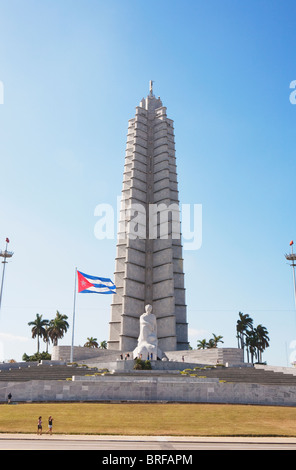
(165, 445)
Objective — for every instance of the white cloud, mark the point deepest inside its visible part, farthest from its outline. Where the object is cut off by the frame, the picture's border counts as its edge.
(11, 346)
(194, 333)
(11, 337)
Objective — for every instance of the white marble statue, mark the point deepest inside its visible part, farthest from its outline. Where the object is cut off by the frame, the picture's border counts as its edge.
(147, 341)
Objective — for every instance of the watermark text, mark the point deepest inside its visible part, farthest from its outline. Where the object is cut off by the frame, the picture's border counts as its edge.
(136, 221)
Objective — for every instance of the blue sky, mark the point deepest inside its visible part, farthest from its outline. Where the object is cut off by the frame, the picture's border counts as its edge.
(73, 72)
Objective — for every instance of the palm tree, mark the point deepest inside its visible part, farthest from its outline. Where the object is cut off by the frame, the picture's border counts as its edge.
(46, 338)
(91, 343)
(211, 343)
(202, 344)
(242, 325)
(251, 345)
(103, 345)
(262, 340)
(58, 327)
(39, 328)
(217, 339)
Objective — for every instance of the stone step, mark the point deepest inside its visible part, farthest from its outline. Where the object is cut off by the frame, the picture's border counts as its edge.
(55, 372)
(62, 372)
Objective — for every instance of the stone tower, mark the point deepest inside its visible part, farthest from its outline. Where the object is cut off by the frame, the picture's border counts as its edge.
(149, 264)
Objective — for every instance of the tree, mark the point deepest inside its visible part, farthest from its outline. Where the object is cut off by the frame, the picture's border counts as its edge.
(103, 345)
(39, 328)
(255, 340)
(212, 343)
(242, 327)
(202, 344)
(217, 339)
(91, 343)
(46, 338)
(262, 340)
(57, 327)
(251, 345)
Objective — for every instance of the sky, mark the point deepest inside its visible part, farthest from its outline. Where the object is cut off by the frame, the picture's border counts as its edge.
(72, 73)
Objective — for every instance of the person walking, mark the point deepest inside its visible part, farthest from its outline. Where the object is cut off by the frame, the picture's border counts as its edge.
(39, 425)
(9, 397)
(50, 420)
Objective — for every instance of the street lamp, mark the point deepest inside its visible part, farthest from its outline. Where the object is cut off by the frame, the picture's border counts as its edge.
(292, 257)
(4, 254)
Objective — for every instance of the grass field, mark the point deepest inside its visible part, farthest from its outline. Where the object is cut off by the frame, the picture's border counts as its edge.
(151, 419)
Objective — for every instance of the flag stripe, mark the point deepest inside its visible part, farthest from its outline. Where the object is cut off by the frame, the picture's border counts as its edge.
(110, 286)
(98, 289)
(89, 291)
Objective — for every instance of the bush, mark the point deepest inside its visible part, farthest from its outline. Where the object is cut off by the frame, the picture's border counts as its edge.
(138, 366)
(142, 365)
(44, 356)
(147, 365)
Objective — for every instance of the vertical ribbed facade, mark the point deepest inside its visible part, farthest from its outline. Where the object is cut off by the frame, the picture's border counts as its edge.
(149, 264)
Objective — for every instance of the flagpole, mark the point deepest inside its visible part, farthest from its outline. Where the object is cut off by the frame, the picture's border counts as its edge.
(293, 266)
(292, 257)
(4, 254)
(73, 322)
(3, 274)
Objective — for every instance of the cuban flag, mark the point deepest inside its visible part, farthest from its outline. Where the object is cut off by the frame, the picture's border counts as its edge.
(98, 285)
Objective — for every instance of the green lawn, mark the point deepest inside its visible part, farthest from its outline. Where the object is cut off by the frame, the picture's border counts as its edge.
(151, 419)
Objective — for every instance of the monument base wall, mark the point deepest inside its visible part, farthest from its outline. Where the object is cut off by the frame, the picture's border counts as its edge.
(230, 356)
(148, 389)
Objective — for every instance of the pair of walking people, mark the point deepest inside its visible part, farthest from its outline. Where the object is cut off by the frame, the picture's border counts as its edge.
(39, 425)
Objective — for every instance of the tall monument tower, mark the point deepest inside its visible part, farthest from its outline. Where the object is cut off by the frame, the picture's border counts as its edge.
(149, 264)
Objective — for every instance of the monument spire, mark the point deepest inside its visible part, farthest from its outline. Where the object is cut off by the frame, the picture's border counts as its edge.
(151, 87)
(149, 263)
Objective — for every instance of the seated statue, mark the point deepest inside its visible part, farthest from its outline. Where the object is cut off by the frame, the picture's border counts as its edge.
(147, 341)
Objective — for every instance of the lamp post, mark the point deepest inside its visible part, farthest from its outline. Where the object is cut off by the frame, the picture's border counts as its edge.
(292, 257)
(4, 254)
